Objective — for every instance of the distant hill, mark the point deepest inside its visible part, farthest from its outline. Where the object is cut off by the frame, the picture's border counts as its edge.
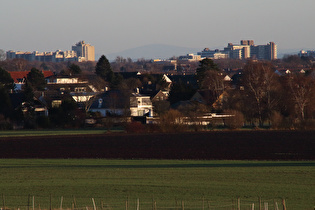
(154, 51)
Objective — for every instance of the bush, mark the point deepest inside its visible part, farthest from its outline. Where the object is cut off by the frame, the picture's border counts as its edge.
(236, 120)
(277, 120)
(172, 121)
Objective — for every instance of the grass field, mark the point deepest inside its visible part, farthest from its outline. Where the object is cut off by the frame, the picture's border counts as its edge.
(168, 182)
(12, 133)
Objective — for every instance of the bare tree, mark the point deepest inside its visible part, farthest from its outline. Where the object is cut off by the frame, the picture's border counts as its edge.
(2, 55)
(20, 64)
(214, 81)
(302, 91)
(260, 87)
(171, 121)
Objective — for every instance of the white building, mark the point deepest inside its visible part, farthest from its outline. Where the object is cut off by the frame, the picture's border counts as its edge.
(213, 54)
(190, 57)
(246, 49)
(80, 52)
(85, 52)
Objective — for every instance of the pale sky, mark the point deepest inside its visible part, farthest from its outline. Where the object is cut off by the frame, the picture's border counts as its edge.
(116, 25)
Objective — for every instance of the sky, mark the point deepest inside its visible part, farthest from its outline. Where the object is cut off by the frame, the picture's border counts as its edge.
(116, 25)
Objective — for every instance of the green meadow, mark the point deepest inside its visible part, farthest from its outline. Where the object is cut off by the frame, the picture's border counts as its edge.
(18, 133)
(167, 184)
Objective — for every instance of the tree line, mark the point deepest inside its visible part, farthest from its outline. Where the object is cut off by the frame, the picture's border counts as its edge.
(262, 96)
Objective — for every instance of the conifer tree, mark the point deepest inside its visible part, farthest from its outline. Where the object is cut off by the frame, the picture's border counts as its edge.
(103, 69)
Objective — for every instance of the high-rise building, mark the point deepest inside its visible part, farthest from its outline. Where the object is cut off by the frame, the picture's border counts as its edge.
(247, 42)
(238, 51)
(85, 52)
(246, 49)
(264, 52)
(80, 52)
(272, 51)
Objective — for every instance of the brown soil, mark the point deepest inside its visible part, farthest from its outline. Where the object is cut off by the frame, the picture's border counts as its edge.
(236, 145)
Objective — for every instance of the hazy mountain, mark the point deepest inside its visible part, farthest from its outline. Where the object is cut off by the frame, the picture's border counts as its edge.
(154, 51)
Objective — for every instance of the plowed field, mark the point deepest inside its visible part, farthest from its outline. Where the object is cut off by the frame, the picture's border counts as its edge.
(229, 145)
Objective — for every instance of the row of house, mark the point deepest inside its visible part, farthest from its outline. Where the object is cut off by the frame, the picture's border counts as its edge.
(86, 95)
(115, 102)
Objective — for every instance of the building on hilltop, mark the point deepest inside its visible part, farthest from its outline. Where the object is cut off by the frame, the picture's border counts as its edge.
(80, 52)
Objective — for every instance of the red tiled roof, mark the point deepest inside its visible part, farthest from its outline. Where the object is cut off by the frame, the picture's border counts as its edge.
(21, 74)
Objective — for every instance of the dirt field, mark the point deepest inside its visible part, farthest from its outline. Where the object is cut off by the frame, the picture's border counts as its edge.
(233, 145)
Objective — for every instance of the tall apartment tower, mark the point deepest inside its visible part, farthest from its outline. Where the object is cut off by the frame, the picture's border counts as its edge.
(85, 52)
(264, 52)
(271, 51)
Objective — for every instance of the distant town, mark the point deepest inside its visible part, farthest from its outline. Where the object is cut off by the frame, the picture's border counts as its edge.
(241, 86)
(82, 51)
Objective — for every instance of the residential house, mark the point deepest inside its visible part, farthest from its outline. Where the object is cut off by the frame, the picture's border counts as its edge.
(39, 107)
(80, 90)
(160, 96)
(122, 103)
(209, 98)
(20, 76)
(140, 105)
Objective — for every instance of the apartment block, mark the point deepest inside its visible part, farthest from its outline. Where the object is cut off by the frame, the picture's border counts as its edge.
(213, 54)
(80, 52)
(308, 53)
(85, 52)
(246, 49)
(190, 57)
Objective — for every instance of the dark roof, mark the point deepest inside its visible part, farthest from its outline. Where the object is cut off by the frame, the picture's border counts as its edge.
(189, 79)
(127, 75)
(113, 99)
(181, 104)
(208, 95)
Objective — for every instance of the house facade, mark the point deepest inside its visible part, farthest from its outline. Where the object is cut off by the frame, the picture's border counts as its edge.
(119, 103)
(80, 90)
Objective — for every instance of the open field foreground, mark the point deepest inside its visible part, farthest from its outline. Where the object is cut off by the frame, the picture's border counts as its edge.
(233, 145)
(166, 184)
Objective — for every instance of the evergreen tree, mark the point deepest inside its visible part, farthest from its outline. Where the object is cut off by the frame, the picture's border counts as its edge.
(5, 102)
(6, 86)
(75, 69)
(205, 65)
(103, 69)
(36, 79)
(6, 80)
(28, 92)
(180, 92)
